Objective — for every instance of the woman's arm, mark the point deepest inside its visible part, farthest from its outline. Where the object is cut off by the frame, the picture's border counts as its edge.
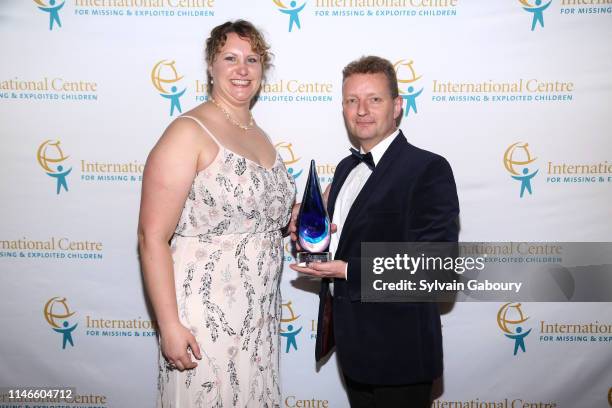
(168, 175)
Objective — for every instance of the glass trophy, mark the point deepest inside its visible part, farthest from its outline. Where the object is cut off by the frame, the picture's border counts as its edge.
(313, 223)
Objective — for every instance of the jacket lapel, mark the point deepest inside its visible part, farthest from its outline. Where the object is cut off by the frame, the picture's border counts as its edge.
(339, 179)
(369, 187)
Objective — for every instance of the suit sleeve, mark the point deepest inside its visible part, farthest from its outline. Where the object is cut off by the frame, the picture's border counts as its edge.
(353, 276)
(433, 213)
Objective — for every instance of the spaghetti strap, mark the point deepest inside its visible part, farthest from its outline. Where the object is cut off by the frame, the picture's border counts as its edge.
(199, 122)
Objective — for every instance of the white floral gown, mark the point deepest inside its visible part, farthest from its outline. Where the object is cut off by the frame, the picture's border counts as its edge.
(228, 257)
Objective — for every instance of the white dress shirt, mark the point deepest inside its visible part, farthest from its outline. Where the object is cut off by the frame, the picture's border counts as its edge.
(350, 190)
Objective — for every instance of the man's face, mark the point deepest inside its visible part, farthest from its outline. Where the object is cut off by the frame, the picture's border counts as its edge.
(369, 111)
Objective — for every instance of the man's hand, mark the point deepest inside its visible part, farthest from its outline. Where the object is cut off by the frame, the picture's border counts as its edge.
(332, 269)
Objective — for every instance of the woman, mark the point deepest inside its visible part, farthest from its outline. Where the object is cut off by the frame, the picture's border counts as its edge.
(215, 186)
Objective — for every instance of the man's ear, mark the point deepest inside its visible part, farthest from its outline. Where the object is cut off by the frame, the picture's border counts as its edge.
(398, 102)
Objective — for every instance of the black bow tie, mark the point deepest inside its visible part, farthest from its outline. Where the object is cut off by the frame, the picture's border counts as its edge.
(366, 158)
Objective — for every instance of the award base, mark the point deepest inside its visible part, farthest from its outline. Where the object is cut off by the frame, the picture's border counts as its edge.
(306, 257)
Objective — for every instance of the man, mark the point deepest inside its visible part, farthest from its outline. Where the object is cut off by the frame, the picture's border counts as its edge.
(391, 191)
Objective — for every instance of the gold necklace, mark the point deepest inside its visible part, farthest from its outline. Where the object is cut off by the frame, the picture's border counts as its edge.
(231, 119)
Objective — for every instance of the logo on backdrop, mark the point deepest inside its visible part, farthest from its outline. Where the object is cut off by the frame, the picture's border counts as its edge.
(517, 160)
(288, 326)
(52, 7)
(293, 11)
(385, 8)
(61, 320)
(166, 80)
(510, 319)
(54, 162)
(285, 149)
(51, 159)
(573, 8)
(144, 8)
(58, 315)
(537, 10)
(288, 250)
(407, 83)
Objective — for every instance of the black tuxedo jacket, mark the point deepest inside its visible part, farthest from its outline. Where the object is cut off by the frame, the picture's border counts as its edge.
(410, 197)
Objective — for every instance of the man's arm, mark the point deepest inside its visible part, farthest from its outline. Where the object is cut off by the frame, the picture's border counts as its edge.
(435, 210)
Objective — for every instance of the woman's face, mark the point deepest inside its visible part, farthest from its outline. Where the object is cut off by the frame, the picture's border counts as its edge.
(236, 71)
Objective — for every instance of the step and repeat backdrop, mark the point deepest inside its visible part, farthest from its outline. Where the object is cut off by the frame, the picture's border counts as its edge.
(516, 94)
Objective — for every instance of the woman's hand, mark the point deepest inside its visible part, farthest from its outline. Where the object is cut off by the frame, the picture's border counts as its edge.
(293, 225)
(175, 342)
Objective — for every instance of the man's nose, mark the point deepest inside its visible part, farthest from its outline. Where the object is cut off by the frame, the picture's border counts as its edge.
(362, 108)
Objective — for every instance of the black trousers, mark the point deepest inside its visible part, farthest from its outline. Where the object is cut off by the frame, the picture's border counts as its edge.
(388, 396)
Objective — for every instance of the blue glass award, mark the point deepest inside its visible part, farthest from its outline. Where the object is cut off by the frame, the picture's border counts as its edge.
(313, 223)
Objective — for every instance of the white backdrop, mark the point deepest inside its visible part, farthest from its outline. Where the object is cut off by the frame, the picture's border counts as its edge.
(487, 81)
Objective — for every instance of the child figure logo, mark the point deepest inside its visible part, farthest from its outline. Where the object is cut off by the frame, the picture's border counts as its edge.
(57, 314)
(537, 9)
(285, 149)
(293, 10)
(289, 332)
(52, 7)
(517, 158)
(165, 79)
(406, 81)
(49, 155)
(510, 319)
